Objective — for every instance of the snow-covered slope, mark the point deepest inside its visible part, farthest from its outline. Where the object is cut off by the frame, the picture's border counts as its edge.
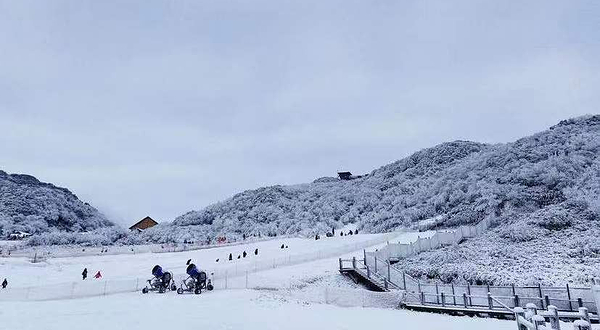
(28, 205)
(456, 183)
(541, 192)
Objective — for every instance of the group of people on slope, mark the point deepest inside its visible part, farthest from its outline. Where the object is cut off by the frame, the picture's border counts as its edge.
(243, 255)
(84, 274)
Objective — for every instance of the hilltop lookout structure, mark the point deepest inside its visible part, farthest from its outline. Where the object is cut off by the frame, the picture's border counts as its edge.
(145, 223)
(348, 176)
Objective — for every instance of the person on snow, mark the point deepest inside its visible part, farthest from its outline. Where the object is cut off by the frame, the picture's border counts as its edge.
(244, 254)
(188, 262)
(256, 252)
(356, 232)
(98, 275)
(84, 274)
(230, 257)
(4, 284)
(282, 246)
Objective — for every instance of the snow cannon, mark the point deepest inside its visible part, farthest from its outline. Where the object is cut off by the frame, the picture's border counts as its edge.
(161, 282)
(196, 281)
(194, 273)
(157, 271)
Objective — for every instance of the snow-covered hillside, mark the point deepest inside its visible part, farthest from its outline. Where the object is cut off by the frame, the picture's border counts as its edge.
(42, 209)
(541, 192)
(455, 183)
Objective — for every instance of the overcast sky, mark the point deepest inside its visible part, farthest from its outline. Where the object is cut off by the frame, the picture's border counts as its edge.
(160, 107)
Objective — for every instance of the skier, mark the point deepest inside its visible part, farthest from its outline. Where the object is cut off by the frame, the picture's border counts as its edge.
(239, 256)
(188, 262)
(84, 274)
(282, 246)
(4, 284)
(230, 257)
(98, 275)
(244, 254)
(356, 232)
(256, 252)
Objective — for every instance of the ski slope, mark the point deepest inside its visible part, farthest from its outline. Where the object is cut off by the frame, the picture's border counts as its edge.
(22, 273)
(285, 297)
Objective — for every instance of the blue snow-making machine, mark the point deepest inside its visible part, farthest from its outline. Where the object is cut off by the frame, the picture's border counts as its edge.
(196, 281)
(161, 282)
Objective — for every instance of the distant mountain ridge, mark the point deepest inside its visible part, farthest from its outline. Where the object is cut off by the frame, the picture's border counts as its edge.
(29, 205)
(457, 183)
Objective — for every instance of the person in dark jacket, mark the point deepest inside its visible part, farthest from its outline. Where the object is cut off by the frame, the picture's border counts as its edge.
(256, 252)
(244, 254)
(84, 274)
(4, 284)
(230, 257)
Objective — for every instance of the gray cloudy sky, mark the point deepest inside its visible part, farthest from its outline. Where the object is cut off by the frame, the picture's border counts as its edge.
(160, 107)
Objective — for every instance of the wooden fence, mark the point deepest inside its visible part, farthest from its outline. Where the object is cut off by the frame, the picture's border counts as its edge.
(567, 298)
(441, 238)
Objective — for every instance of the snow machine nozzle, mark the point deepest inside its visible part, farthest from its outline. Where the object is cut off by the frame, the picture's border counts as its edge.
(193, 271)
(157, 271)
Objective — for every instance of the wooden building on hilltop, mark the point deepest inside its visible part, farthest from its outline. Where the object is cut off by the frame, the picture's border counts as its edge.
(145, 223)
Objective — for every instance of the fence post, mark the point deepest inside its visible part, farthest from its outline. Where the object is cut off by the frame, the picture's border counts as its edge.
(365, 257)
(375, 264)
(583, 313)
(422, 298)
(465, 300)
(490, 300)
(547, 300)
(368, 272)
(554, 323)
(540, 292)
(516, 298)
(388, 270)
(385, 283)
(531, 310)
(580, 302)
(453, 294)
(569, 297)
(341, 264)
(404, 280)
(354, 262)
(581, 325)
(443, 300)
(469, 293)
(519, 313)
(539, 322)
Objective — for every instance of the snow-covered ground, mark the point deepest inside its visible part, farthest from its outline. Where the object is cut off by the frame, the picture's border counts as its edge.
(22, 273)
(305, 295)
(233, 309)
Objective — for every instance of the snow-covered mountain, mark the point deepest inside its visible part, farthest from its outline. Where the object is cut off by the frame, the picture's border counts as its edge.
(551, 179)
(40, 208)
